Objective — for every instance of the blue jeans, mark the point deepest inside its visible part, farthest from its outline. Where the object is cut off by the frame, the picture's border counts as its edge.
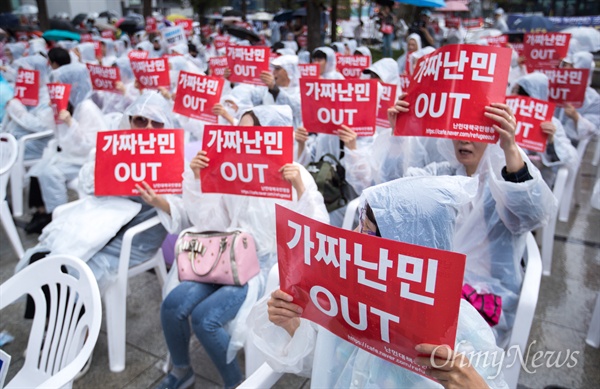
(211, 306)
(387, 45)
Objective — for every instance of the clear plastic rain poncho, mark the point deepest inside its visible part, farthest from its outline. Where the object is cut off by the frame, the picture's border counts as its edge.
(113, 104)
(363, 50)
(330, 72)
(537, 86)
(351, 46)
(221, 212)
(402, 60)
(21, 120)
(87, 53)
(38, 46)
(414, 210)
(588, 124)
(17, 50)
(492, 229)
(145, 46)
(339, 47)
(111, 52)
(241, 96)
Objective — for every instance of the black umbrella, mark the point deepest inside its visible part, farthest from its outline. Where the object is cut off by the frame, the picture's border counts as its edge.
(532, 23)
(61, 24)
(242, 33)
(79, 18)
(109, 15)
(130, 25)
(300, 12)
(233, 12)
(283, 16)
(8, 20)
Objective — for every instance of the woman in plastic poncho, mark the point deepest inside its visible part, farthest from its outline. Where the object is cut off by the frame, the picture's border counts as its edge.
(413, 210)
(413, 43)
(12, 52)
(212, 306)
(512, 200)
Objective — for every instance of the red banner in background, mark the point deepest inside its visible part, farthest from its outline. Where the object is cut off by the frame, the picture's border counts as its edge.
(186, 24)
(451, 22)
(107, 34)
(246, 160)
(220, 41)
(450, 89)
(500, 41)
(567, 85)
(387, 99)
(104, 77)
(206, 31)
(545, 49)
(370, 291)
(470, 24)
(196, 95)
(86, 38)
(247, 62)
(127, 157)
(352, 66)
(59, 98)
(27, 87)
(404, 82)
(137, 54)
(151, 73)
(530, 114)
(329, 104)
(97, 49)
(151, 24)
(217, 66)
(309, 70)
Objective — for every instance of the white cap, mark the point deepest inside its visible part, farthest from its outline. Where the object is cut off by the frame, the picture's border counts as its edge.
(499, 11)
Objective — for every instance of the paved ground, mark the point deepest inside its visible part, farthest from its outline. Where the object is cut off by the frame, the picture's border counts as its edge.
(562, 317)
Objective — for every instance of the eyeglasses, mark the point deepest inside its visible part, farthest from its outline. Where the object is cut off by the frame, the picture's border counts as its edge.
(142, 122)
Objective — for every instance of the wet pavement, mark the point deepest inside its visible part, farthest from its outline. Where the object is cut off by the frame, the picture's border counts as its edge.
(563, 313)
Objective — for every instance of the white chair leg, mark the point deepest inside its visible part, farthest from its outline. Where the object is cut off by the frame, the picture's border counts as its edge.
(16, 190)
(11, 230)
(548, 246)
(565, 204)
(115, 308)
(596, 158)
(593, 336)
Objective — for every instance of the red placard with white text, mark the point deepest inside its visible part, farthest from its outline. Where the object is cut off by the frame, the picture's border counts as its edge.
(567, 85)
(97, 49)
(452, 22)
(450, 89)
(472, 23)
(196, 95)
(530, 114)
(545, 49)
(500, 41)
(352, 66)
(186, 24)
(127, 157)
(107, 34)
(381, 295)
(247, 62)
(151, 73)
(59, 98)
(27, 87)
(246, 160)
(137, 54)
(220, 41)
(217, 66)
(387, 99)
(404, 82)
(519, 47)
(86, 38)
(151, 24)
(104, 77)
(309, 70)
(206, 30)
(328, 104)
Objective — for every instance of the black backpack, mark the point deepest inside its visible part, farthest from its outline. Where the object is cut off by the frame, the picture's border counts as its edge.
(330, 176)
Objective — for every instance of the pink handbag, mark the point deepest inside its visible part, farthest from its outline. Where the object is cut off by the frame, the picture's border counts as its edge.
(488, 305)
(226, 258)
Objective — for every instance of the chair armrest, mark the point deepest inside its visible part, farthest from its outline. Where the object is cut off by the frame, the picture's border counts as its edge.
(263, 377)
(128, 241)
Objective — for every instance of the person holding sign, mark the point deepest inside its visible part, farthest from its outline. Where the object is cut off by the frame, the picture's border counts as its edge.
(559, 151)
(582, 122)
(12, 52)
(212, 306)
(420, 211)
(325, 58)
(512, 200)
(234, 104)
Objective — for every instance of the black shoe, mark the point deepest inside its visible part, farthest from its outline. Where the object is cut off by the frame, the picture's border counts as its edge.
(38, 222)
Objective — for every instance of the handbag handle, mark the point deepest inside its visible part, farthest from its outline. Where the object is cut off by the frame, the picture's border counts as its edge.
(222, 246)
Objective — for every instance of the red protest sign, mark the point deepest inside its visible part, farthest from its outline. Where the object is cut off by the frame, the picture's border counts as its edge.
(530, 114)
(86, 38)
(452, 22)
(387, 98)
(27, 87)
(309, 70)
(59, 98)
(450, 89)
(567, 85)
(370, 291)
(500, 41)
(151, 73)
(186, 24)
(137, 54)
(246, 160)
(351, 66)
(196, 95)
(327, 104)
(404, 82)
(127, 157)
(519, 47)
(247, 62)
(97, 49)
(545, 49)
(107, 34)
(217, 66)
(220, 41)
(205, 30)
(104, 77)
(472, 23)
(150, 24)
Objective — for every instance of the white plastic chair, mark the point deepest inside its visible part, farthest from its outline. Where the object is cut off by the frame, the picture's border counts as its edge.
(17, 175)
(55, 355)
(525, 310)
(572, 183)
(350, 214)
(8, 156)
(115, 296)
(596, 158)
(593, 335)
(545, 235)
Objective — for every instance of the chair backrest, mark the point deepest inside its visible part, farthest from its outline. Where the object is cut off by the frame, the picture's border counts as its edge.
(65, 326)
(9, 149)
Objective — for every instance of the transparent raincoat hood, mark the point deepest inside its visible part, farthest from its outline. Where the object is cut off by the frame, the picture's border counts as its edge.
(535, 84)
(124, 66)
(16, 49)
(386, 69)
(273, 115)
(87, 52)
(35, 62)
(363, 50)
(416, 38)
(584, 60)
(78, 76)
(37, 46)
(331, 62)
(150, 105)
(290, 64)
(241, 95)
